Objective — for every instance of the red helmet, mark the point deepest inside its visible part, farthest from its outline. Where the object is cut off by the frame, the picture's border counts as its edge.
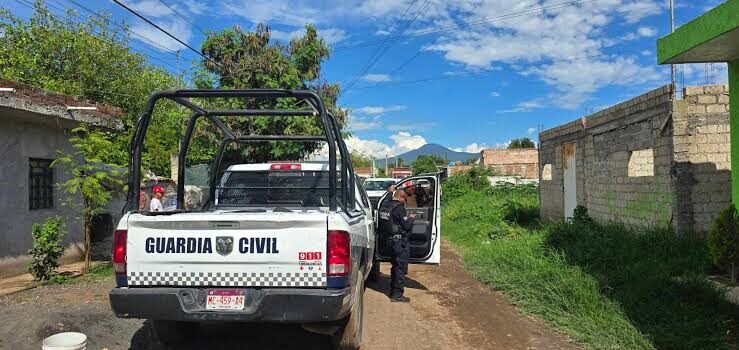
(157, 189)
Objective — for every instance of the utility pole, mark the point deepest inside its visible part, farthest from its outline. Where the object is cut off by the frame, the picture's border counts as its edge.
(386, 164)
(672, 29)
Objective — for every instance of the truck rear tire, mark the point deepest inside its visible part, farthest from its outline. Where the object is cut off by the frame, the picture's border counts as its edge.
(349, 335)
(174, 332)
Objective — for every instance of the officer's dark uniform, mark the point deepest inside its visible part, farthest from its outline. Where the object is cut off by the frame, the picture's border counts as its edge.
(395, 226)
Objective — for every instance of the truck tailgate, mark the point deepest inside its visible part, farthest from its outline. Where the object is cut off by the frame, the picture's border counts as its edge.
(227, 249)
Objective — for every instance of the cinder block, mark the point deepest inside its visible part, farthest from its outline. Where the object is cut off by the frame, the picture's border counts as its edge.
(715, 89)
(693, 90)
(706, 99)
(723, 99)
(716, 108)
(696, 109)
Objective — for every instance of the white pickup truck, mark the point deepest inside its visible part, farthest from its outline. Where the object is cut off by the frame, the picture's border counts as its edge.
(277, 242)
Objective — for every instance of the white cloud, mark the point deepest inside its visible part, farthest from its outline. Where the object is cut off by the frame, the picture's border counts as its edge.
(380, 109)
(646, 53)
(472, 148)
(357, 122)
(275, 11)
(195, 7)
(530, 131)
(402, 142)
(564, 37)
(175, 26)
(149, 8)
(647, 32)
(524, 106)
(495, 94)
(329, 35)
(573, 89)
(376, 77)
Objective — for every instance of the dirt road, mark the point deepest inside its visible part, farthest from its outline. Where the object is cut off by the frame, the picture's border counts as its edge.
(448, 310)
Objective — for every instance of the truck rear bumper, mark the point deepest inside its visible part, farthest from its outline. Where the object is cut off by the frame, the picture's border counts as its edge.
(262, 305)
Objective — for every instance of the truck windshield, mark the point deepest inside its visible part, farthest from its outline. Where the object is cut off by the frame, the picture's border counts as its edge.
(377, 185)
(273, 188)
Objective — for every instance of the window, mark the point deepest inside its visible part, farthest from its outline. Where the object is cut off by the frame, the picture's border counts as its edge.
(40, 184)
(546, 172)
(641, 163)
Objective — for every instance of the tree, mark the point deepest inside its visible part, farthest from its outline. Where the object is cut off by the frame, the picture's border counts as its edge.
(427, 164)
(521, 143)
(91, 178)
(360, 160)
(239, 60)
(90, 58)
(381, 172)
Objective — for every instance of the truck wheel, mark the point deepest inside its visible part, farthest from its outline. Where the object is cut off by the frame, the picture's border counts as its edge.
(349, 335)
(374, 273)
(174, 332)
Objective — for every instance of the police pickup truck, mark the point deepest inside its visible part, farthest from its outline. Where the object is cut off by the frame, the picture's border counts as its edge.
(277, 242)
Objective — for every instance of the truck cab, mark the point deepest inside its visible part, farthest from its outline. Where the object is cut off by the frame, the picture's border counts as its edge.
(278, 242)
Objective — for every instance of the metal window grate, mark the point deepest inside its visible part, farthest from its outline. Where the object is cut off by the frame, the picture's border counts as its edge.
(40, 184)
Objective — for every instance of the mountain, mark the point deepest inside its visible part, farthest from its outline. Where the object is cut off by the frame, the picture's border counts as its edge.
(434, 149)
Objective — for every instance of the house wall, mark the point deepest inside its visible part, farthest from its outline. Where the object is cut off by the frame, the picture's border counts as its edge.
(649, 161)
(518, 162)
(702, 159)
(21, 139)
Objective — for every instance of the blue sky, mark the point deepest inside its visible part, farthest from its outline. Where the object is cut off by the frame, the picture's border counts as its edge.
(466, 74)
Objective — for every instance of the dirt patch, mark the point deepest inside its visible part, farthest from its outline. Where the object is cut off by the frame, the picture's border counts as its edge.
(448, 310)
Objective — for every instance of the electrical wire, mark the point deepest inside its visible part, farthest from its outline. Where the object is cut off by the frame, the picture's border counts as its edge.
(166, 32)
(383, 49)
(183, 17)
(31, 6)
(463, 25)
(483, 72)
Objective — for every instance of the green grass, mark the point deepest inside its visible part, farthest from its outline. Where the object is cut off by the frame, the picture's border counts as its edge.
(605, 286)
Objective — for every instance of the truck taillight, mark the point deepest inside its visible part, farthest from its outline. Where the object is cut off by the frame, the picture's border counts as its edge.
(285, 167)
(119, 251)
(339, 253)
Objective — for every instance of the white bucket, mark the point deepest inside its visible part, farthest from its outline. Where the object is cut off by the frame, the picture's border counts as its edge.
(65, 341)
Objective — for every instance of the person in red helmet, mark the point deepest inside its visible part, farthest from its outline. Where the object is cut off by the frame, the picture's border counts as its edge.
(156, 200)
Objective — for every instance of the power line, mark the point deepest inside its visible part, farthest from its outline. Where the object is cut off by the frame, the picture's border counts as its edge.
(183, 17)
(165, 32)
(483, 72)
(30, 5)
(418, 53)
(383, 49)
(463, 25)
(90, 11)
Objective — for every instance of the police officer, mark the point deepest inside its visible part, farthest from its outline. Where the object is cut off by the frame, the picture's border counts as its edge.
(395, 226)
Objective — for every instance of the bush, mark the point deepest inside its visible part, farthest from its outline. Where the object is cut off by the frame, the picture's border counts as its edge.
(580, 216)
(475, 179)
(47, 248)
(723, 240)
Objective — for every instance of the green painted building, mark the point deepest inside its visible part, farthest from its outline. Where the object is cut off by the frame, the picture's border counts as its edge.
(712, 37)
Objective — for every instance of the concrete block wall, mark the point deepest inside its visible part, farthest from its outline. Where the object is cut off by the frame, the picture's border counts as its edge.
(649, 161)
(702, 155)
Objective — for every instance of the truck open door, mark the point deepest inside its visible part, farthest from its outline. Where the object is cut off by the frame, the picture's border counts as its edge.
(425, 236)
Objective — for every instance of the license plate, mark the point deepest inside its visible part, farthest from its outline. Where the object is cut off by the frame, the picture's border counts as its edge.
(225, 299)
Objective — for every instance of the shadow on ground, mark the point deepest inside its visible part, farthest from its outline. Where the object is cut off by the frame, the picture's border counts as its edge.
(658, 278)
(236, 336)
(382, 283)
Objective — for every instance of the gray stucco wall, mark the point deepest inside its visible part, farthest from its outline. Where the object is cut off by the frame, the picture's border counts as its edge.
(23, 137)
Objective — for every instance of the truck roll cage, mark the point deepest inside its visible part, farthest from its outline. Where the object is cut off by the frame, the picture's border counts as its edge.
(332, 136)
